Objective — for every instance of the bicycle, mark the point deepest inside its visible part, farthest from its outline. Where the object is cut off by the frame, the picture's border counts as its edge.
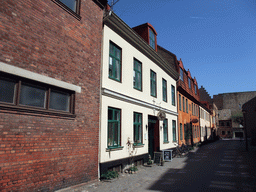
(180, 151)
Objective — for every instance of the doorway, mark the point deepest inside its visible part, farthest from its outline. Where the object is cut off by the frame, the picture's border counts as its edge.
(153, 135)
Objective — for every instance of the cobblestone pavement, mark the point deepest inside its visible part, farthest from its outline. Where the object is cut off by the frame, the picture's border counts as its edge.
(219, 166)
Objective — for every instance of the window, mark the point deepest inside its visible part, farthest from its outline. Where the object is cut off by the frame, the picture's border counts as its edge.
(181, 132)
(180, 102)
(186, 105)
(174, 131)
(152, 39)
(71, 6)
(192, 109)
(7, 90)
(114, 126)
(189, 83)
(33, 96)
(223, 132)
(137, 128)
(137, 75)
(181, 74)
(115, 62)
(183, 103)
(195, 89)
(164, 90)
(173, 95)
(153, 83)
(165, 126)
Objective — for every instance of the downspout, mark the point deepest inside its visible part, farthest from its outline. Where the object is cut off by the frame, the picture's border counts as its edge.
(100, 110)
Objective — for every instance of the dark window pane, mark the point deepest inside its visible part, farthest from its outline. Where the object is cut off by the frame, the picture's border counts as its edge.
(110, 114)
(70, 4)
(59, 101)
(7, 91)
(32, 96)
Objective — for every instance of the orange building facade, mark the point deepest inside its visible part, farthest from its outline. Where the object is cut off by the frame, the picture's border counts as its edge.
(188, 107)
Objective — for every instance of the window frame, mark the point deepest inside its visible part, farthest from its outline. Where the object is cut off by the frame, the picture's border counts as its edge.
(75, 13)
(180, 103)
(183, 103)
(137, 115)
(164, 88)
(181, 74)
(118, 145)
(17, 106)
(187, 105)
(181, 132)
(174, 131)
(137, 63)
(115, 58)
(189, 83)
(165, 131)
(152, 39)
(173, 95)
(153, 82)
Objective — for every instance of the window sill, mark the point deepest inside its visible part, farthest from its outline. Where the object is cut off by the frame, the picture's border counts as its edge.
(166, 142)
(118, 80)
(35, 111)
(67, 9)
(138, 145)
(114, 148)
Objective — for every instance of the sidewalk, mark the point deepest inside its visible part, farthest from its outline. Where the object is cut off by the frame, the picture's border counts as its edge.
(139, 181)
(219, 166)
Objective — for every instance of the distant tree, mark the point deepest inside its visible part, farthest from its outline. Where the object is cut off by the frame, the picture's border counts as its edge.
(238, 118)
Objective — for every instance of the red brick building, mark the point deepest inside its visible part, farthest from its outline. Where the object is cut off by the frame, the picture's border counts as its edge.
(188, 107)
(50, 64)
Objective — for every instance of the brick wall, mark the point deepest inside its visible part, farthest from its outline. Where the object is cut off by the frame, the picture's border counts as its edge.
(44, 152)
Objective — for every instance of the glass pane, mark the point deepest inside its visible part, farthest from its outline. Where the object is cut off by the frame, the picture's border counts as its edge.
(112, 50)
(32, 96)
(110, 134)
(110, 66)
(70, 4)
(134, 79)
(110, 114)
(139, 80)
(59, 101)
(139, 118)
(117, 72)
(139, 134)
(139, 67)
(118, 53)
(7, 91)
(117, 115)
(115, 132)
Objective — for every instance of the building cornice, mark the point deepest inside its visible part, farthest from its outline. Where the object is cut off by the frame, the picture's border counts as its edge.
(121, 28)
(132, 100)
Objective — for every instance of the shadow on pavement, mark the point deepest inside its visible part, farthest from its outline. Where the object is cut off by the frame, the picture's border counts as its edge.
(220, 166)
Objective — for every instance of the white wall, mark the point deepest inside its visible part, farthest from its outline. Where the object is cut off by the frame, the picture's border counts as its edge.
(204, 122)
(125, 88)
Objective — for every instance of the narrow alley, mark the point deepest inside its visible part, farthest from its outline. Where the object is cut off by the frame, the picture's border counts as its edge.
(220, 166)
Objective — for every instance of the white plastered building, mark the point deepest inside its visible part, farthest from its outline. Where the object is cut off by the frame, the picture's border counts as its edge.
(136, 85)
(205, 123)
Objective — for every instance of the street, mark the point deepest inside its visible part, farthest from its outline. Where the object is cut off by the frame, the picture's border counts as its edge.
(219, 166)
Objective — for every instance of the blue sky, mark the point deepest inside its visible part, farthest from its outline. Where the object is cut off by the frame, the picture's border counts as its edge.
(216, 39)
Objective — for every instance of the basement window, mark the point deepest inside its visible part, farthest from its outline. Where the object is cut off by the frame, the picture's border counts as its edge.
(17, 93)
